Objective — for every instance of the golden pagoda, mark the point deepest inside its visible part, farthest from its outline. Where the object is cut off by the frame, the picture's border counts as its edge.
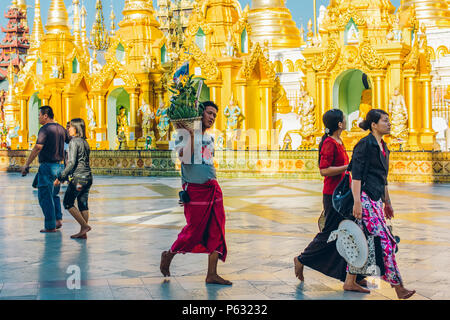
(217, 43)
(272, 21)
(363, 50)
(432, 13)
(60, 72)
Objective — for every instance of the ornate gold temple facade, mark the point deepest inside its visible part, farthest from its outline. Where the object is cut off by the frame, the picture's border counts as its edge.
(61, 73)
(365, 51)
(219, 50)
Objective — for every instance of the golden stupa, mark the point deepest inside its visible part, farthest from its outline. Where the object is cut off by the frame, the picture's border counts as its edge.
(432, 13)
(272, 21)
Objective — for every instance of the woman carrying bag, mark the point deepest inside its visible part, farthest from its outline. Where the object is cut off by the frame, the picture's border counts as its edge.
(370, 190)
(321, 255)
(81, 177)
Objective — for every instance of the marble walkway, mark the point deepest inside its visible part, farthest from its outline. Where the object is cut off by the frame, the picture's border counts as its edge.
(268, 223)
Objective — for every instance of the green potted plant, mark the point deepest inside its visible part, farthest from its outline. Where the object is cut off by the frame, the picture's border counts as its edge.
(184, 110)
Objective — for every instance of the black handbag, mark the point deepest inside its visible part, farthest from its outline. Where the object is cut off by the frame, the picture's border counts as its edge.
(342, 198)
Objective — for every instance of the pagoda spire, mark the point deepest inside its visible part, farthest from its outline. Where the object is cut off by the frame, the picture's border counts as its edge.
(58, 20)
(84, 39)
(38, 30)
(76, 22)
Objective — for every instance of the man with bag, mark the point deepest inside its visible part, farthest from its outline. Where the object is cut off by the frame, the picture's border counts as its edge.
(201, 198)
(50, 150)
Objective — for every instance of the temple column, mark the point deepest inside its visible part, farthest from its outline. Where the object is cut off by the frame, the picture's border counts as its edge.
(134, 106)
(215, 88)
(57, 104)
(265, 114)
(410, 99)
(98, 103)
(241, 100)
(323, 101)
(427, 134)
(67, 99)
(23, 133)
(380, 91)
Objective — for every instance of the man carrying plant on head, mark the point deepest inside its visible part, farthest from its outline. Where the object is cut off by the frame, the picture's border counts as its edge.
(202, 201)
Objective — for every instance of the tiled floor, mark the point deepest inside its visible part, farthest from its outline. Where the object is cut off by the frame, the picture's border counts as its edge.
(268, 223)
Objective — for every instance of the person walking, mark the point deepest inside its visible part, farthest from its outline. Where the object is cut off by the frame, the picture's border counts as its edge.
(333, 162)
(49, 148)
(370, 191)
(78, 173)
(203, 203)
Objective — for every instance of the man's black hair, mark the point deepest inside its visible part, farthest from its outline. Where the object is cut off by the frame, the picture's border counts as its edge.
(205, 104)
(47, 110)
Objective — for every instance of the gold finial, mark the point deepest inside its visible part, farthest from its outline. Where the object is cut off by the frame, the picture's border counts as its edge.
(112, 17)
(22, 5)
(13, 4)
(38, 30)
(84, 39)
(100, 39)
(76, 22)
(58, 20)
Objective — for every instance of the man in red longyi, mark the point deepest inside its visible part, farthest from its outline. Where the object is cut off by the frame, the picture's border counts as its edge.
(202, 201)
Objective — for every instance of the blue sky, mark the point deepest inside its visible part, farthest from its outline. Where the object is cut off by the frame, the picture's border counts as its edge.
(302, 10)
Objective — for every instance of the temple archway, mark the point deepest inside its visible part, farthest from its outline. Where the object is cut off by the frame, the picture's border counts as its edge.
(117, 98)
(33, 115)
(352, 89)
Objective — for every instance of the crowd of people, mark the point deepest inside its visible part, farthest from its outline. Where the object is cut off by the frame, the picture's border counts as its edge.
(202, 197)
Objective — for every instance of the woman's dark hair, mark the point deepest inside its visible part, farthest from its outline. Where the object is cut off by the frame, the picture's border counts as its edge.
(373, 116)
(79, 126)
(331, 120)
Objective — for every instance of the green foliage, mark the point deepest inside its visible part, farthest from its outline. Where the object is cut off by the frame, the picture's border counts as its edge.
(184, 100)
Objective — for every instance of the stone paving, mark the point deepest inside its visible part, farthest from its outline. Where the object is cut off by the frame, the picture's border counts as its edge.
(268, 223)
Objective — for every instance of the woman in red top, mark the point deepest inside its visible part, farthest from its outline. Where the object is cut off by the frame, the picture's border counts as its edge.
(321, 255)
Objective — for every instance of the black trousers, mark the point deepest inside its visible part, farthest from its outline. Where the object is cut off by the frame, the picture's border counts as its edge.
(322, 256)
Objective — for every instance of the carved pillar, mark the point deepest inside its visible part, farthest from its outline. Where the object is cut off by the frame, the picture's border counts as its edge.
(134, 106)
(98, 103)
(241, 100)
(427, 134)
(66, 114)
(23, 103)
(215, 88)
(380, 101)
(410, 99)
(323, 101)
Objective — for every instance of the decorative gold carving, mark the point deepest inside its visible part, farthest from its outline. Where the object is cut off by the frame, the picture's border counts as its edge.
(208, 65)
(327, 60)
(250, 62)
(371, 57)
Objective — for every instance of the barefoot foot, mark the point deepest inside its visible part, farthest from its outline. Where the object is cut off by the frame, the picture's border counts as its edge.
(403, 293)
(58, 224)
(216, 279)
(354, 287)
(166, 259)
(298, 269)
(84, 230)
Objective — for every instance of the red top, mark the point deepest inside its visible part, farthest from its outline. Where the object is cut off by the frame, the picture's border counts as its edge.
(332, 155)
(384, 151)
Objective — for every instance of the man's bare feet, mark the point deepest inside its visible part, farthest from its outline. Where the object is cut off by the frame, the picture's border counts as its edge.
(48, 230)
(216, 279)
(298, 269)
(355, 288)
(58, 224)
(403, 293)
(166, 259)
